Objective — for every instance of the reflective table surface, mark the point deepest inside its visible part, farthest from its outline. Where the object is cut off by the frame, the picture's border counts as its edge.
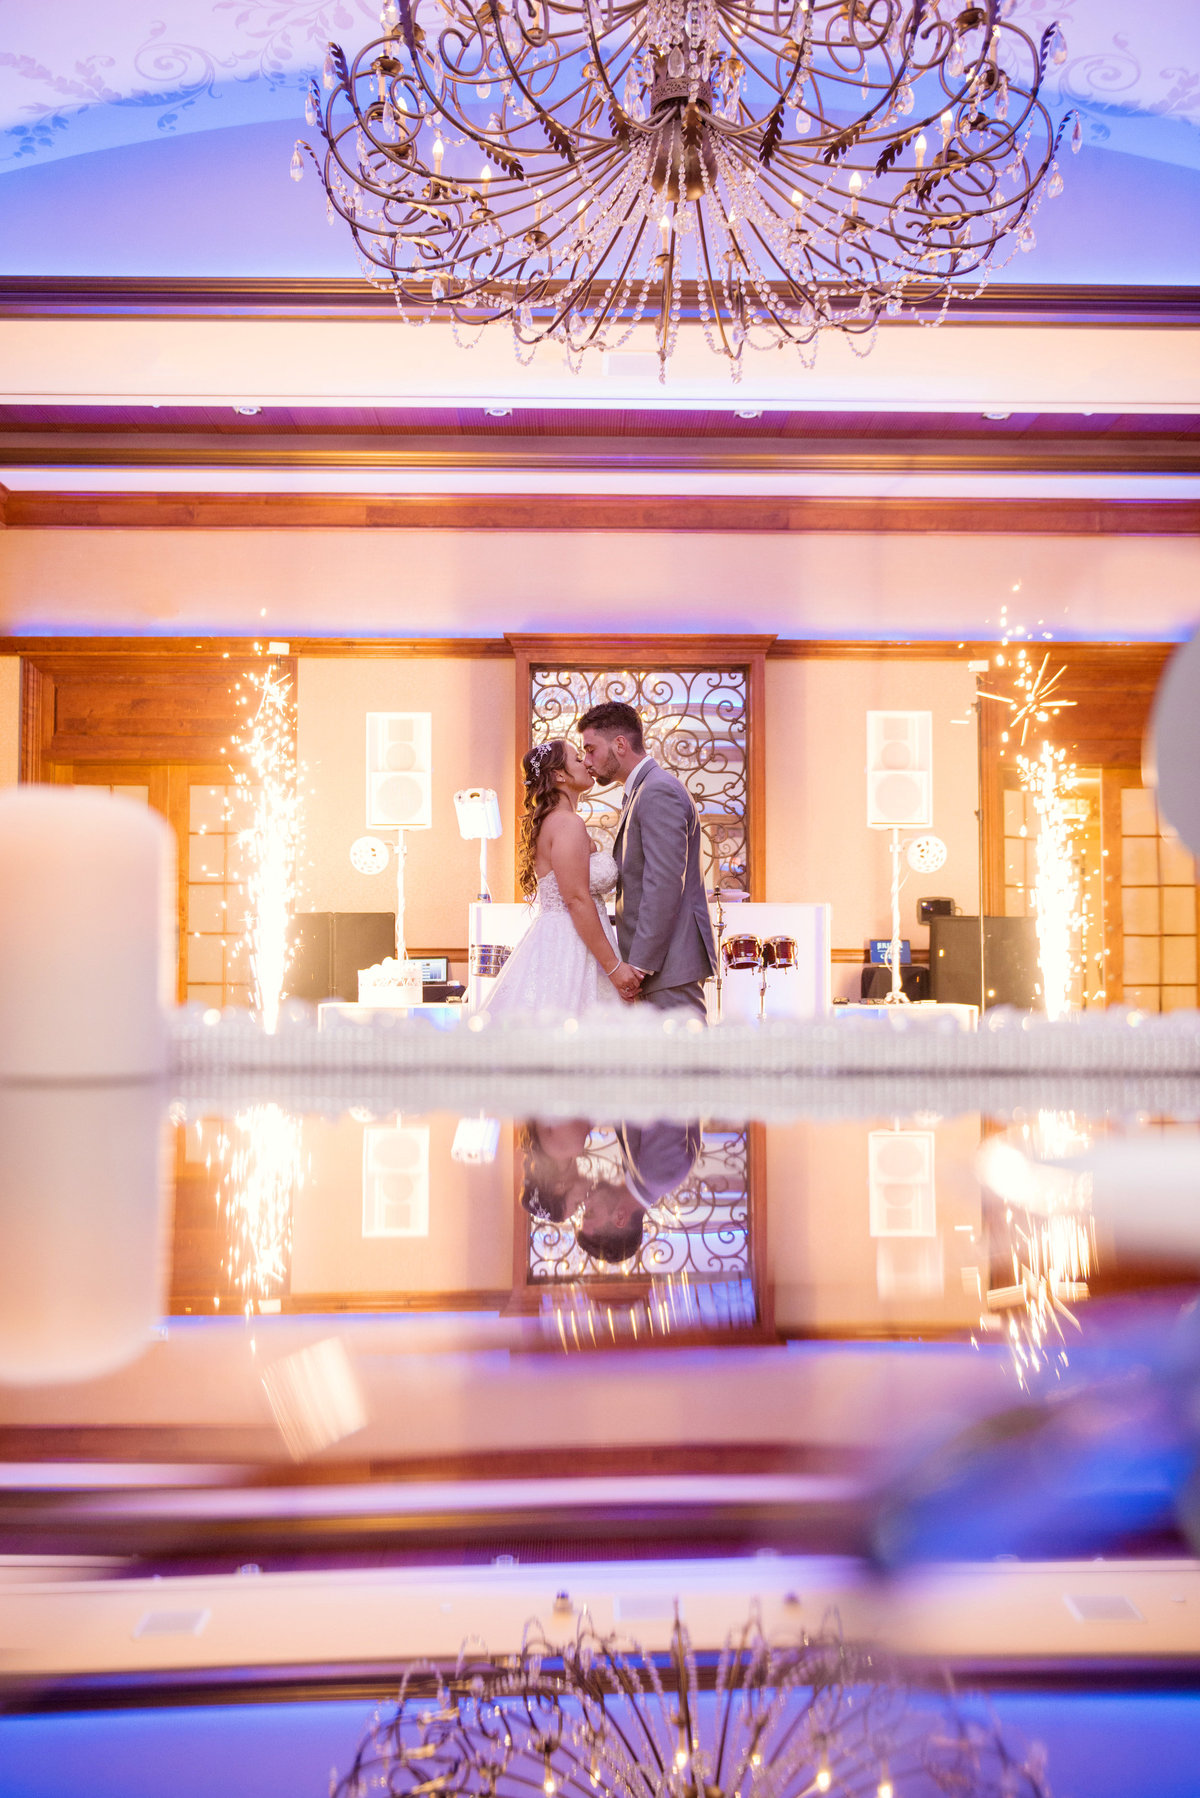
(298, 1386)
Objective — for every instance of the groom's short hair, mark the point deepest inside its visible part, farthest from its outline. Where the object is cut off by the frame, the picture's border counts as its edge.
(613, 718)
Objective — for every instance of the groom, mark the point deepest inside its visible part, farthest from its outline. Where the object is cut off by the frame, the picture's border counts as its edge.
(663, 929)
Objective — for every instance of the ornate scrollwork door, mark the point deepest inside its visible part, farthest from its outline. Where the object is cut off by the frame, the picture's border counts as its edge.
(700, 700)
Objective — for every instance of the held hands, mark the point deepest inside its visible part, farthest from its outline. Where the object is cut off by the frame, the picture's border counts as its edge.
(627, 981)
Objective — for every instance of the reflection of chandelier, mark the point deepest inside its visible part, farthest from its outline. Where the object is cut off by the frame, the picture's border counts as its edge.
(774, 168)
(595, 1714)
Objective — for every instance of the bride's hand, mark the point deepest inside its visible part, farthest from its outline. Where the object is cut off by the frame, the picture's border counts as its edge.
(627, 981)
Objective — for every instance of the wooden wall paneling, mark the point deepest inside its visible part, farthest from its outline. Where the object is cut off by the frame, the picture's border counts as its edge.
(37, 720)
(1112, 781)
(990, 717)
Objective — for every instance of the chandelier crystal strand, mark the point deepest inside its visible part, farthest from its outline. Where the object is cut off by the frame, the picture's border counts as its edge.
(819, 163)
(586, 1713)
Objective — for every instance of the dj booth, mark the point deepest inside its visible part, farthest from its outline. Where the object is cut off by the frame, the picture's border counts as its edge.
(775, 958)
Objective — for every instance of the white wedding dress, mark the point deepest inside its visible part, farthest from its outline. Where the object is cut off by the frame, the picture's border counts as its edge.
(550, 970)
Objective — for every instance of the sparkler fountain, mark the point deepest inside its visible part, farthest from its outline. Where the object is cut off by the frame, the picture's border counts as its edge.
(267, 782)
(1049, 779)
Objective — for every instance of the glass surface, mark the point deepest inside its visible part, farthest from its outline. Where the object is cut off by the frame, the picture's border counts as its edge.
(346, 1376)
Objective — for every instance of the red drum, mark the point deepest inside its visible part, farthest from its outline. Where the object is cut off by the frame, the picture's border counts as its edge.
(741, 952)
(779, 952)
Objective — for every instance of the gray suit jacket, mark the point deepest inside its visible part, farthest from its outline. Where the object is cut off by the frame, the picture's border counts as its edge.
(662, 910)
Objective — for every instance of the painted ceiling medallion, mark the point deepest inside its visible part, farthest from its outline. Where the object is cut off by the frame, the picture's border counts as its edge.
(771, 168)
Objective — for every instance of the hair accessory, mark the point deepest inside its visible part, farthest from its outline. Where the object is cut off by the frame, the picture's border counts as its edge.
(537, 759)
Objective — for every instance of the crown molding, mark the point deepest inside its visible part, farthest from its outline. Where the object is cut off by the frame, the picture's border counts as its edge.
(1169, 450)
(40, 296)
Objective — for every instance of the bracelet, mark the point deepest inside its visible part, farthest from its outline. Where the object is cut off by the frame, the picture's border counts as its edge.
(614, 968)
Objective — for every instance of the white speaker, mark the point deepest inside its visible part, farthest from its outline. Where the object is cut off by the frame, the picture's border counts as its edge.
(899, 770)
(901, 1183)
(399, 771)
(396, 1180)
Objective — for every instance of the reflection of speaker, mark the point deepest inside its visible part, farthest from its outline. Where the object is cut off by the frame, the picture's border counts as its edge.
(396, 1181)
(899, 769)
(330, 948)
(1011, 959)
(900, 1183)
(399, 763)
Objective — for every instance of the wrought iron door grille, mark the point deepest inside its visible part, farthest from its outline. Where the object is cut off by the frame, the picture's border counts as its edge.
(695, 722)
(700, 1231)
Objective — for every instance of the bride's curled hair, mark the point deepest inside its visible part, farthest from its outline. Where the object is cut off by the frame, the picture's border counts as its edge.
(538, 768)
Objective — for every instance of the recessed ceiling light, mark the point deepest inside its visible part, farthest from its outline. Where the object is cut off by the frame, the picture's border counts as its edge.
(498, 411)
(750, 414)
(997, 416)
(248, 411)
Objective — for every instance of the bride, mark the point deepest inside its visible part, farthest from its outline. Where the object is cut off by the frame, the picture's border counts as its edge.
(568, 960)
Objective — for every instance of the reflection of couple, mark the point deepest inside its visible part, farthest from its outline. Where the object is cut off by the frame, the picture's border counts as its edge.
(568, 960)
(609, 1214)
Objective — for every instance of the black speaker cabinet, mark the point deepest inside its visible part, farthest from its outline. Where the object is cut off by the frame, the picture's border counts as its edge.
(329, 947)
(1010, 957)
(360, 939)
(877, 981)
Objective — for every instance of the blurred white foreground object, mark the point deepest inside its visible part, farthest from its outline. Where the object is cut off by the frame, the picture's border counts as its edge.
(87, 901)
(1172, 750)
(82, 1215)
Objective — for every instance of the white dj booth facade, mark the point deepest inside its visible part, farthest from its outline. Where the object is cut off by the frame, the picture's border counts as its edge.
(801, 991)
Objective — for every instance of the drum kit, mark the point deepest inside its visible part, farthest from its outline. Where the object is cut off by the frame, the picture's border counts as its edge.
(760, 955)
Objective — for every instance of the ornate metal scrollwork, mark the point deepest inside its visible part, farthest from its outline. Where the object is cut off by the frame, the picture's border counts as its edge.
(696, 723)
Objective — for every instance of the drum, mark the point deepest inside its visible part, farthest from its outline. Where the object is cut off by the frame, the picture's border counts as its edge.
(779, 952)
(742, 951)
(488, 958)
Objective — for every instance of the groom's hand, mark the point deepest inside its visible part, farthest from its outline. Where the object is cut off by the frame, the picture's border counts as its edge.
(627, 981)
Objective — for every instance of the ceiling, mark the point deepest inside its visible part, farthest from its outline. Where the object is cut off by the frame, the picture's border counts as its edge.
(131, 136)
(158, 270)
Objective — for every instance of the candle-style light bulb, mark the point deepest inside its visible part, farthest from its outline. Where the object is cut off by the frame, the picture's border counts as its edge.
(439, 150)
(947, 127)
(855, 190)
(919, 149)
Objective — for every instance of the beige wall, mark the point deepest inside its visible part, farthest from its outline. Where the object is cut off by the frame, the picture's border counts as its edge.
(468, 1244)
(472, 707)
(10, 719)
(818, 845)
(823, 1261)
(442, 583)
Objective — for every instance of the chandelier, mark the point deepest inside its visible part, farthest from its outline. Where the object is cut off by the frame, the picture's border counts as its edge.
(770, 168)
(599, 1715)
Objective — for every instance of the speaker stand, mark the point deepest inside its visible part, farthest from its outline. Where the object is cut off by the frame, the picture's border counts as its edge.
(897, 996)
(401, 856)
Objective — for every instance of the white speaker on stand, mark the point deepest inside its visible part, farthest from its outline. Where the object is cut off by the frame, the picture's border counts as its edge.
(900, 797)
(400, 788)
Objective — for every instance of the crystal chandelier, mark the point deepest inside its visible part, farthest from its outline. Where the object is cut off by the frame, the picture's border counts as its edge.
(770, 168)
(598, 1715)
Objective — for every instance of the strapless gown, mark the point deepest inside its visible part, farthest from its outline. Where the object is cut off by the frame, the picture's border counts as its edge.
(550, 970)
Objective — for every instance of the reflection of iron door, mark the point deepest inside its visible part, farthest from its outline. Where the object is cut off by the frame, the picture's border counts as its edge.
(696, 723)
(698, 1269)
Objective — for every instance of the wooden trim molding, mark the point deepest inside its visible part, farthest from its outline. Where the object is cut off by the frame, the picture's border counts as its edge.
(245, 648)
(42, 296)
(30, 509)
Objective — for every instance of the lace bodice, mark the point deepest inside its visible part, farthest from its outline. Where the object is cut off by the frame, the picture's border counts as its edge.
(602, 878)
